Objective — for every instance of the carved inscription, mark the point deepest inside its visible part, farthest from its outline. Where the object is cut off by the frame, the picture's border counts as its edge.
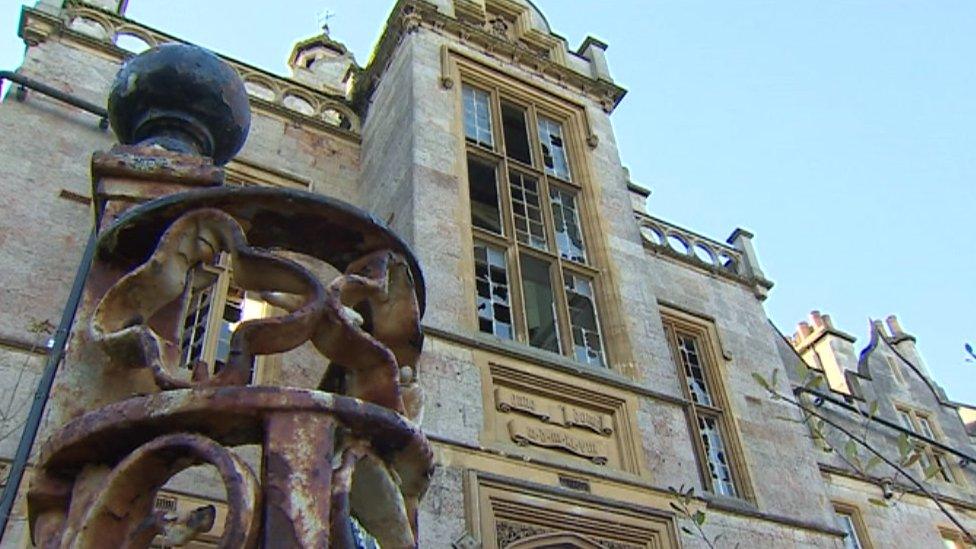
(598, 423)
(524, 433)
(507, 400)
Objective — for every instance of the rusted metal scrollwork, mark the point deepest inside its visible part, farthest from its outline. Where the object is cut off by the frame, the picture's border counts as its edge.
(343, 453)
(120, 320)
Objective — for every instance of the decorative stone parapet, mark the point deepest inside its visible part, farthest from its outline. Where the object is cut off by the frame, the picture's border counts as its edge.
(122, 37)
(736, 262)
(698, 250)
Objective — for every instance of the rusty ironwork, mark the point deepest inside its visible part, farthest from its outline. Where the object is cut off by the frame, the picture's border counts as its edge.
(137, 414)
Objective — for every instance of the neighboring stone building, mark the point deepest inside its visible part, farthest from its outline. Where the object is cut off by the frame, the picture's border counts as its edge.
(582, 356)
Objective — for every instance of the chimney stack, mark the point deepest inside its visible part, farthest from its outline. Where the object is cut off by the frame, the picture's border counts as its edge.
(904, 343)
(825, 348)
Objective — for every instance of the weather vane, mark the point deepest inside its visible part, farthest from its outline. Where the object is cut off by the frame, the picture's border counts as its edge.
(324, 17)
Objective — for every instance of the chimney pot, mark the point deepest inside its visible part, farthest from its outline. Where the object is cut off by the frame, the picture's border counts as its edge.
(894, 326)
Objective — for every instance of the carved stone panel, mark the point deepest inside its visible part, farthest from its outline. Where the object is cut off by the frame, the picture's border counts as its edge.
(513, 514)
(565, 418)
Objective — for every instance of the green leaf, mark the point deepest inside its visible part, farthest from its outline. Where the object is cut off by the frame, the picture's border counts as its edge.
(772, 381)
(762, 381)
(850, 450)
(873, 409)
(815, 382)
(904, 446)
(878, 502)
(699, 518)
(872, 463)
(932, 470)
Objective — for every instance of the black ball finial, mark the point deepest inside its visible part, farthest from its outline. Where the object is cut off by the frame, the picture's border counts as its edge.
(182, 98)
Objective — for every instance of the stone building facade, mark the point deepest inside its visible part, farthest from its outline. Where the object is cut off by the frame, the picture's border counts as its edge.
(582, 357)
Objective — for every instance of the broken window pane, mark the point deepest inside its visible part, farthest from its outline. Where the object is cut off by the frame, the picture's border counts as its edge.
(527, 210)
(540, 308)
(483, 186)
(491, 280)
(569, 237)
(477, 116)
(516, 133)
(553, 150)
(233, 313)
(198, 301)
(587, 342)
(691, 362)
(715, 453)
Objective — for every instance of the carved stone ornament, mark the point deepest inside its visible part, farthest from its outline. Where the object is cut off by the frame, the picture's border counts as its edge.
(499, 27)
(344, 450)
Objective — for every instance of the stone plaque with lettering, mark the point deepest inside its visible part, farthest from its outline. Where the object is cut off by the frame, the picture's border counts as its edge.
(527, 433)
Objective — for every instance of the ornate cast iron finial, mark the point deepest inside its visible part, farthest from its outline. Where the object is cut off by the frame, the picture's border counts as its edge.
(181, 98)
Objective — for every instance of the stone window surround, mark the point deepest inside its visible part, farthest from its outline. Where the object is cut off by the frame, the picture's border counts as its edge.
(709, 345)
(916, 417)
(544, 510)
(852, 511)
(950, 535)
(574, 120)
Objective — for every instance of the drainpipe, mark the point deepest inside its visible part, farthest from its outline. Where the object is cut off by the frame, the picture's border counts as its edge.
(43, 391)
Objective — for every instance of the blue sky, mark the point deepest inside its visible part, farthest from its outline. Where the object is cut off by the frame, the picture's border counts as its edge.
(841, 132)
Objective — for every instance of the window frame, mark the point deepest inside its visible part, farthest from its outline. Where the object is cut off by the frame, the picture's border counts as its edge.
(857, 520)
(947, 474)
(954, 536)
(505, 166)
(265, 367)
(709, 348)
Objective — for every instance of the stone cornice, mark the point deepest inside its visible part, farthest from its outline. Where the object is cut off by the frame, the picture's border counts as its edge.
(546, 359)
(37, 26)
(408, 16)
(840, 471)
(718, 504)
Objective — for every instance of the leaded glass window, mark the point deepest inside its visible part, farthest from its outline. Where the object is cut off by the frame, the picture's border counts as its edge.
(587, 343)
(694, 351)
(534, 281)
(527, 211)
(477, 116)
(716, 456)
(692, 365)
(931, 460)
(569, 236)
(491, 278)
(553, 149)
(213, 307)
